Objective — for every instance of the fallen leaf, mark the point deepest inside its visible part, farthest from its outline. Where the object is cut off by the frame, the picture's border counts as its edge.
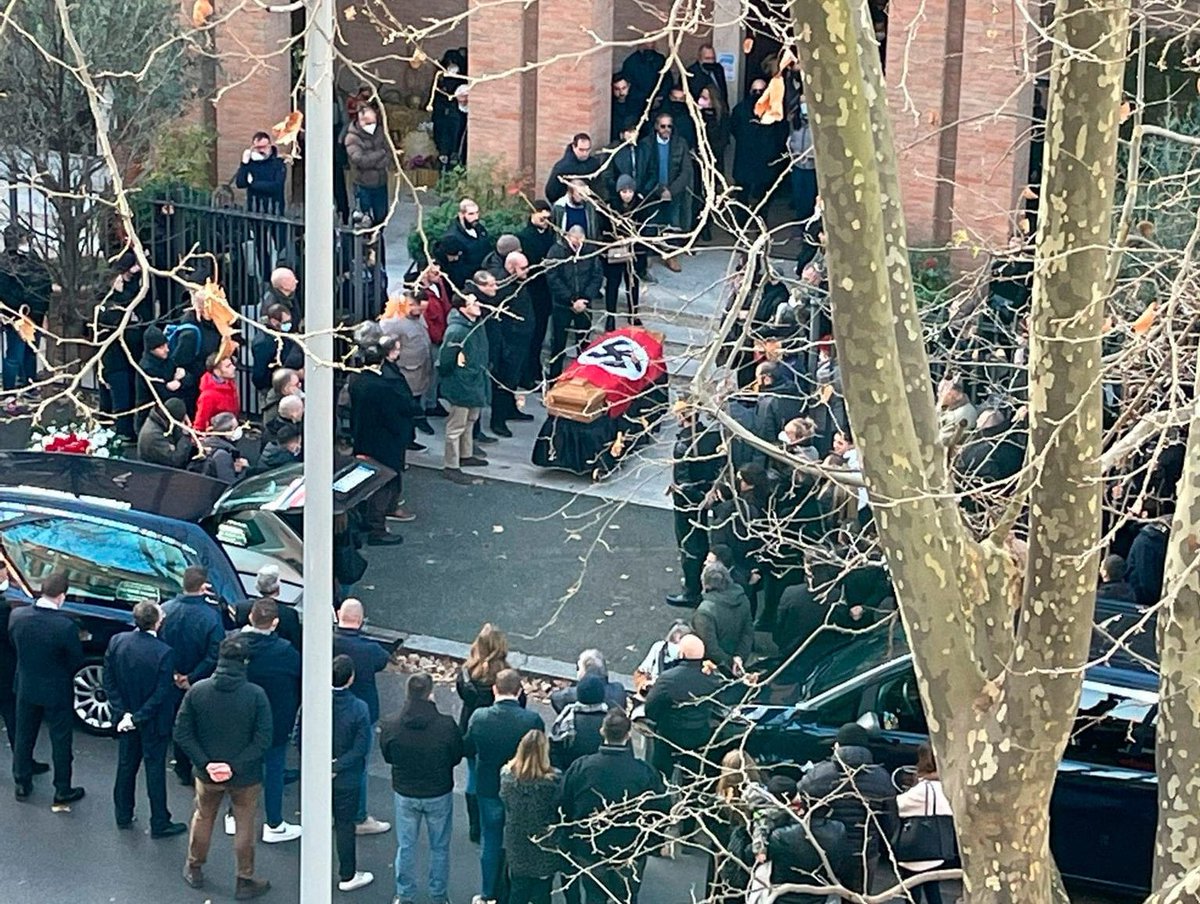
(608, 612)
(1123, 112)
(350, 13)
(201, 10)
(1146, 320)
(497, 528)
(599, 621)
(624, 577)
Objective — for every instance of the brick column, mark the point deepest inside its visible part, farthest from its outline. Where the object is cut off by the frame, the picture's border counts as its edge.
(496, 44)
(573, 93)
(250, 59)
(960, 103)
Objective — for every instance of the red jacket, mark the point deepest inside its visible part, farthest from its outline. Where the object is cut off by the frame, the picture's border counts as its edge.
(437, 309)
(215, 396)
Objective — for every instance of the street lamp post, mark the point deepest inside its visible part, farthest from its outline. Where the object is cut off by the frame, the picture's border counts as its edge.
(316, 751)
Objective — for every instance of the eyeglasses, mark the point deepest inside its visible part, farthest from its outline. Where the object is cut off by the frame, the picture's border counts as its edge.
(665, 127)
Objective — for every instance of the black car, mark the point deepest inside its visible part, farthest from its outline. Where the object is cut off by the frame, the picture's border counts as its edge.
(1103, 811)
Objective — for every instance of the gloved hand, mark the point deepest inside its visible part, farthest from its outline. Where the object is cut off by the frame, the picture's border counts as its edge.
(126, 723)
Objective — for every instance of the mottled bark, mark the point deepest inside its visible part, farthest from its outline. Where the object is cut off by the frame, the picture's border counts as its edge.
(1000, 703)
(1177, 845)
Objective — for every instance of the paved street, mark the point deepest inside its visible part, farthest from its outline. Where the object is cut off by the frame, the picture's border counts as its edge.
(82, 858)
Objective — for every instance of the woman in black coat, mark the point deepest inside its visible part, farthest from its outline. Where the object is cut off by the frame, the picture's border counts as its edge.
(623, 261)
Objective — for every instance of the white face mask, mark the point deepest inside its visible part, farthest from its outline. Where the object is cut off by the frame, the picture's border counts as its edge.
(452, 69)
(785, 439)
(704, 103)
(672, 650)
(803, 108)
(3, 585)
(257, 155)
(369, 127)
(463, 107)
(236, 436)
(285, 327)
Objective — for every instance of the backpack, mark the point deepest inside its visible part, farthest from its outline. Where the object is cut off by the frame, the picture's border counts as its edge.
(175, 333)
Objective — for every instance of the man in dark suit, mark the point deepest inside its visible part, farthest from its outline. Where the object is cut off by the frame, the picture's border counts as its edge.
(139, 678)
(48, 655)
(192, 628)
(369, 659)
(10, 598)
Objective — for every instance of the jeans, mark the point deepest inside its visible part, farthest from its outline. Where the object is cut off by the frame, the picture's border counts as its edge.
(60, 721)
(274, 761)
(361, 815)
(491, 849)
(438, 813)
(20, 360)
(459, 441)
(345, 804)
(530, 889)
(137, 747)
(372, 200)
(245, 812)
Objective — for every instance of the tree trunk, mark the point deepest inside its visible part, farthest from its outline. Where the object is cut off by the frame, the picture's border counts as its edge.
(1177, 845)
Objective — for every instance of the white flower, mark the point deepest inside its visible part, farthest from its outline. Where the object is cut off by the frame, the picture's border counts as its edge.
(99, 440)
(46, 441)
(101, 453)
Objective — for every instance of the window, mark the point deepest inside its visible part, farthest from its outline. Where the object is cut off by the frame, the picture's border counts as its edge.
(104, 561)
(1114, 727)
(840, 709)
(898, 704)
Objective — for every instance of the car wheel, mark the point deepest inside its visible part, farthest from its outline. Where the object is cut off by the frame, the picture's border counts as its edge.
(92, 709)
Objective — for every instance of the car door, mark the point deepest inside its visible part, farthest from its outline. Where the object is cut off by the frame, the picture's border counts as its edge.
(1104, 807)
(895, 702)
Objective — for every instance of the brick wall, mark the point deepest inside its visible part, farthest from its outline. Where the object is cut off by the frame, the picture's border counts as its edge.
(496, 45)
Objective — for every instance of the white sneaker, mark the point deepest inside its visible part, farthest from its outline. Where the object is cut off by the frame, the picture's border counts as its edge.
(372, 826)
(285, 831)
(230, 824)
(358, 880)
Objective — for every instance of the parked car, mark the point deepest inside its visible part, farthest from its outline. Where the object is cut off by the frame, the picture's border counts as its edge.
(1103, 809)
(124, 532)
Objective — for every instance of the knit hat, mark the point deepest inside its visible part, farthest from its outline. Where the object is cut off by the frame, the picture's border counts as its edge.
(267, 582)
(590, 689)
(853, 735)
(154, 338)
(626, 182)
(176, 409)
(782, 787)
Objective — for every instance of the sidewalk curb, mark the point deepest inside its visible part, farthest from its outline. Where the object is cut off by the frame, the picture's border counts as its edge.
(542, 666)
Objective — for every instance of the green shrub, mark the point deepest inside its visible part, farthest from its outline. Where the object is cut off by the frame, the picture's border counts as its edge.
(503, 206)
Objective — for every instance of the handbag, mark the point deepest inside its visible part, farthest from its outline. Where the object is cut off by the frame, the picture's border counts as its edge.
(929, 837)
(621, 253)
(759, 891)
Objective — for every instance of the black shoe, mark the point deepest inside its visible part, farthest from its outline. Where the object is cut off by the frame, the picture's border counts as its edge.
(291, 776)
(126, 826)
(384, 540)
(683, 600)
(485, 439)
(423, 426)
(40, 768)
(436, 411)
(501, 430)
(24, 789)
(414, 446)
(473, 461)
(521, 416)
(610, 324)
(251, 888)
(185, 778)
(70, 797)
(170, 830)
(194, 877)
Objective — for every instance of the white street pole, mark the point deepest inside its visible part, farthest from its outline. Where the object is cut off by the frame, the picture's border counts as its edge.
(316, 750)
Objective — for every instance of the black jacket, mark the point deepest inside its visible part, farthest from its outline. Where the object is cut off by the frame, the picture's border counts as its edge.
(157, 371)
(576, 733)
(756, 146)
(160, 443)
(9, 602)
(530, 812)
(423, 746)
(679, 168)
(492, 738)
(226, 719)
(193, 347)
(25, 280)
(351, 739)
(572, 275)
(369, 657)
(475, 695)
(1117, 590)
(139, 672)
(268, 353)
(264, 181)
(476, 248)
(48, 655)
(569, 166)
(615, 695)
(192, 628)
(700, 76)
(696, 463)
(642, 68)
(856, 793)
(796, 859)
(1147, 562)
(289, 622)
(381, 411)
(600, 782)
(681, 706)
(275, 667)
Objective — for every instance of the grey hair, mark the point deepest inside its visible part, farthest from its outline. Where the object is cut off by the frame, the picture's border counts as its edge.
(715, 576)
(592, 661)
(577, 230)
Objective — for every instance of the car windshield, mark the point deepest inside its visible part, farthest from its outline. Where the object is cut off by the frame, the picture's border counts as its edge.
(859, 654)
(259, 490)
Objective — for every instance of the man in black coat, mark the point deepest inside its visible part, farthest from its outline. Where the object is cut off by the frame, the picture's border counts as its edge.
(224, 726)
(576, 163)
(423, 746)
(682, 704)
(275, 667)
(469, 238)
(382, 409)
(192, 627)
(696, 464)
(1113, 585)
(706, 72)
(10, 599)
(576, 278)
(1147, 559)
(576, 730)
(492, 738)
(159, 379)
(810, 850)
(614, 782)
(139, 678)
(515, 325)
(48, 655)
(263, 174)
(627, 106)
(644, 69)
(665, 175)
(266, 584)
(756, 148)
(269, 351)
(851, 789)
(537, 239)
(369, 659)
